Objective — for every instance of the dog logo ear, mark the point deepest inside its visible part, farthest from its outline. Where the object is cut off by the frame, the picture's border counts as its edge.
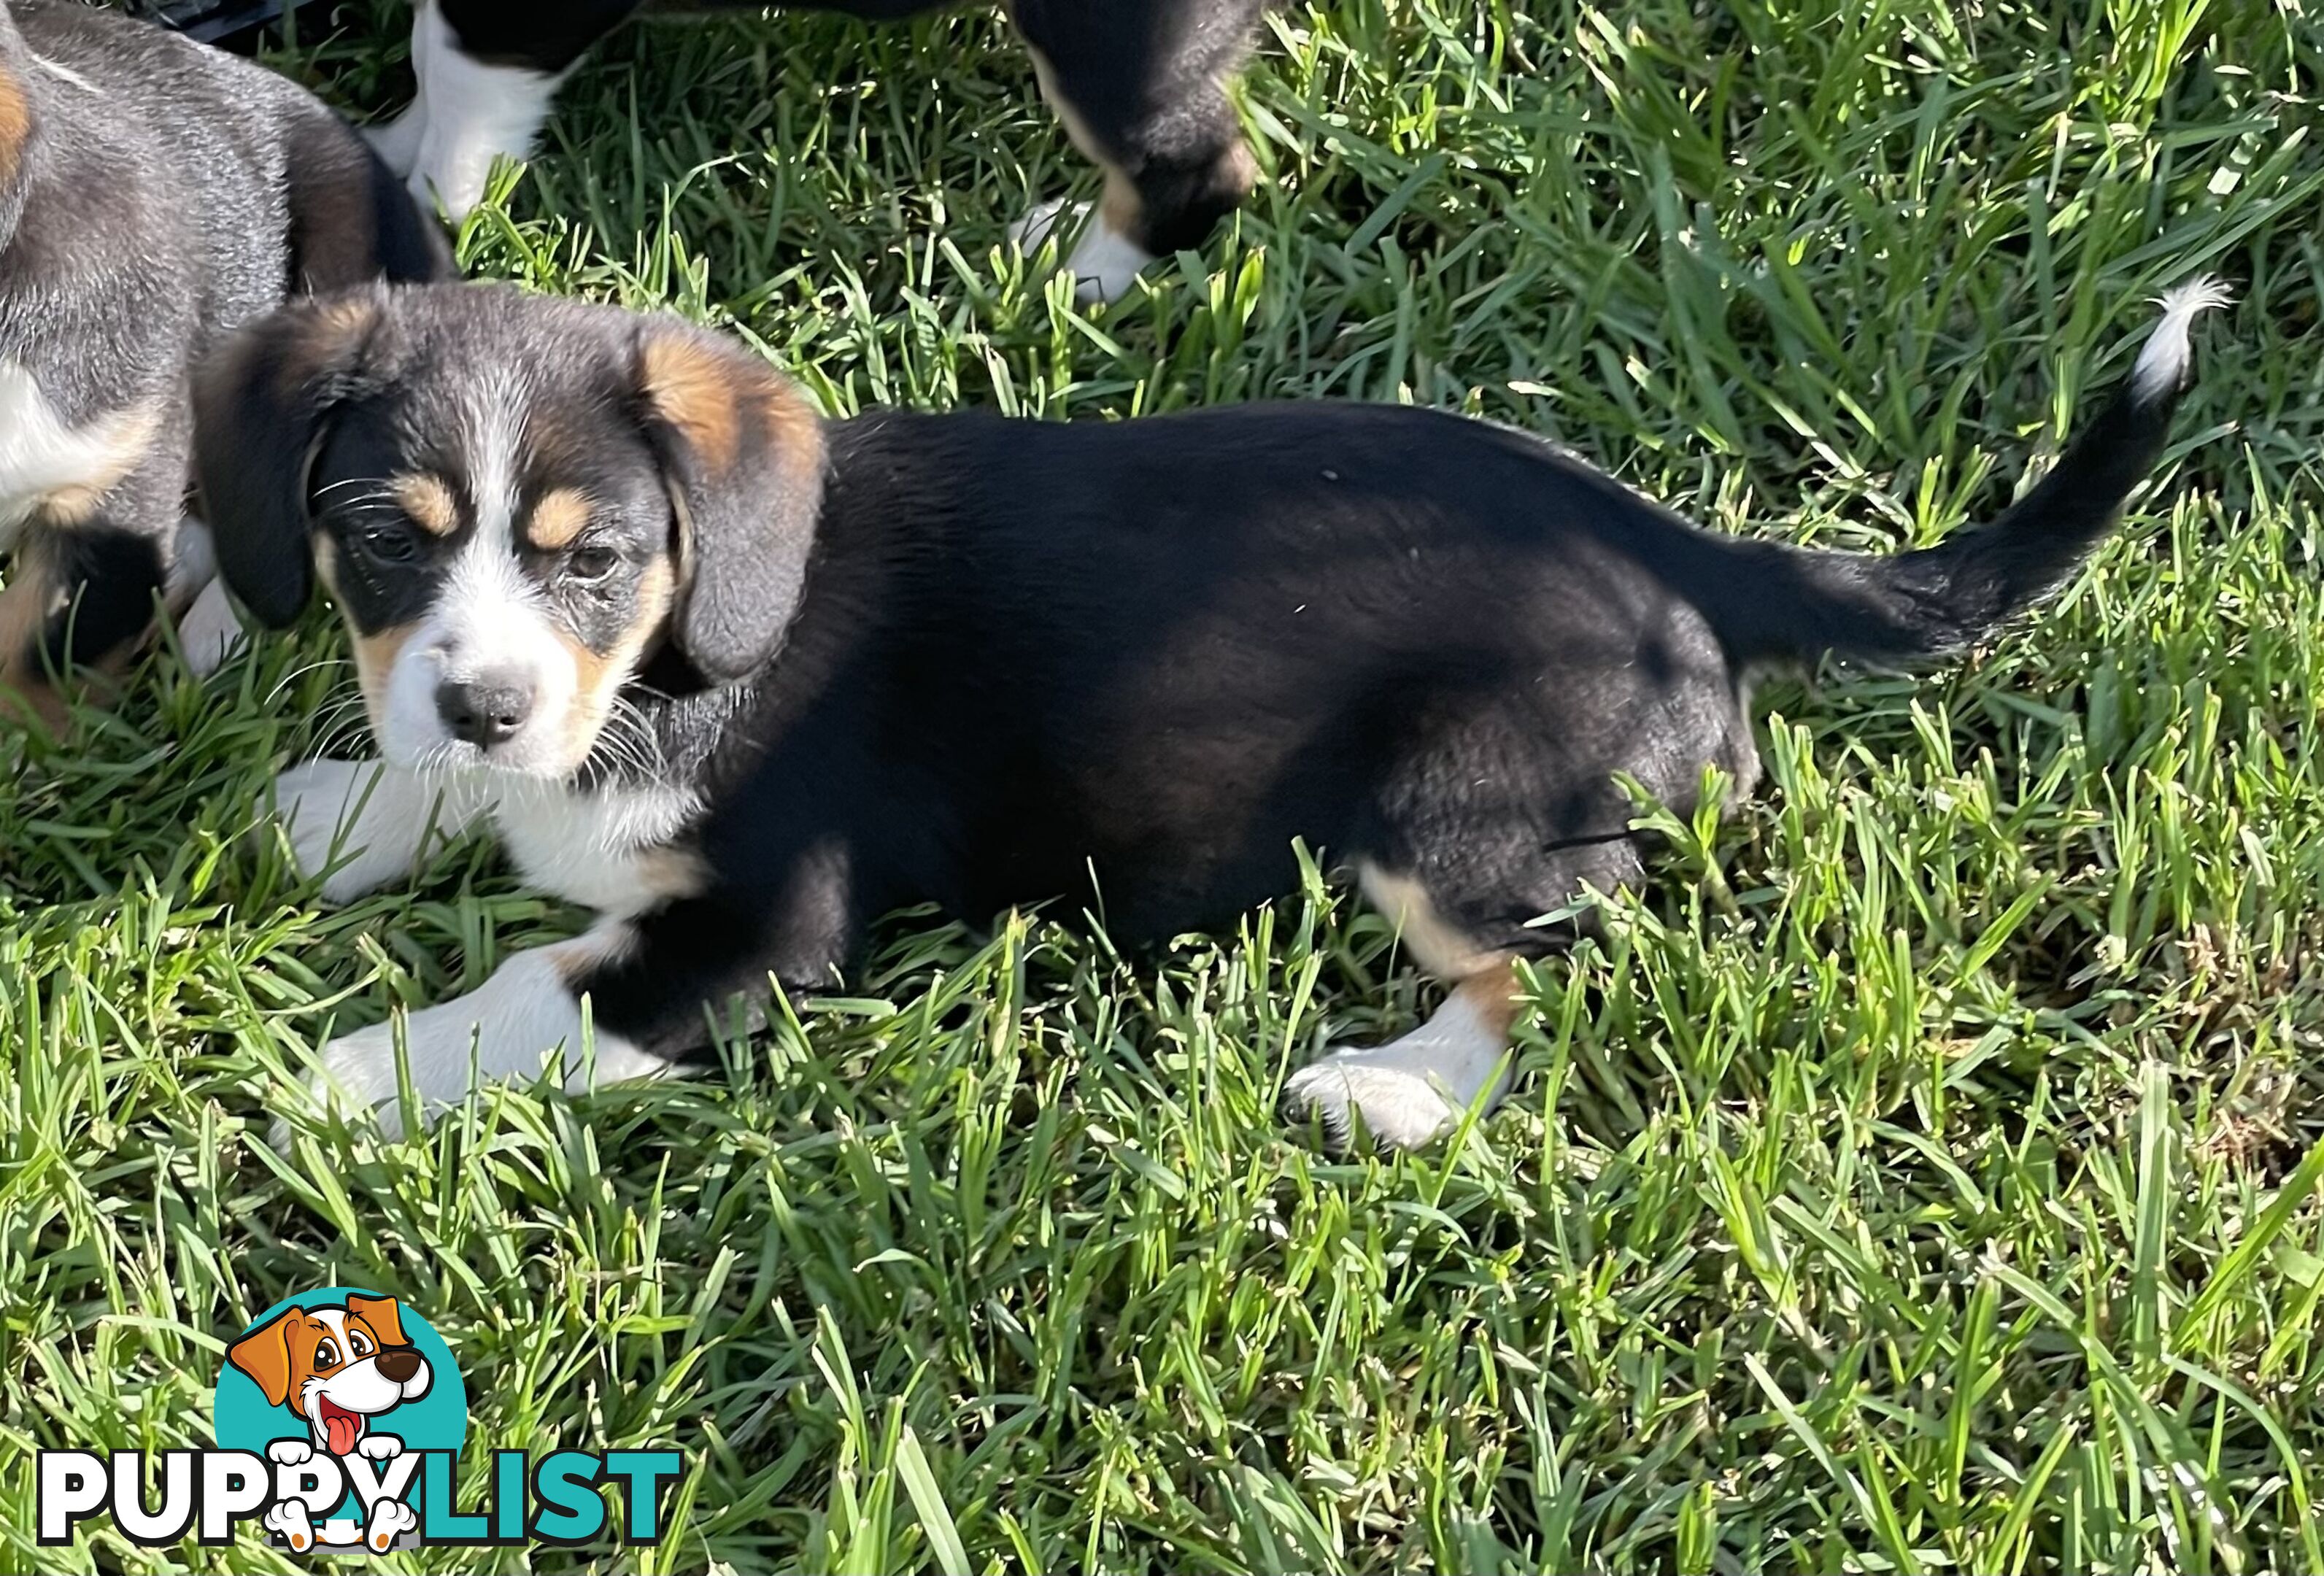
(742, 452)
(261, 408)
(264, 1354)
(383, 1315)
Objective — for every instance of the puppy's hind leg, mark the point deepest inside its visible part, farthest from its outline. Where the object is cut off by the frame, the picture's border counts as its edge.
(1141, 86)
(1413, 1091)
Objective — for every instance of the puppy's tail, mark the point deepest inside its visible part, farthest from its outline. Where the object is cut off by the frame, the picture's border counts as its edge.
(1939, 601)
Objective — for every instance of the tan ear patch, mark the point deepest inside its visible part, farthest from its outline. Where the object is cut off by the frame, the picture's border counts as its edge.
(325, 332)
(557, 519)
(16, 124)
(384, 1315)
(428, 499)
(264, 1354)
(690, 386)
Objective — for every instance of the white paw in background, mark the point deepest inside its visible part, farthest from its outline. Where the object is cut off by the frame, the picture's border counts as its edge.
(380, 1447)
(390, 1520)
(374, 819)
(1410, 1092)
(210, 630)
(470, 113)
(289, 1517)
(397, 141)
(291, 1452)
(1105, 264)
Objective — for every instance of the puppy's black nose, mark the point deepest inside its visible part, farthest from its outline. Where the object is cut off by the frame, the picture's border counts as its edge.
(397, 1363)
(486, 712)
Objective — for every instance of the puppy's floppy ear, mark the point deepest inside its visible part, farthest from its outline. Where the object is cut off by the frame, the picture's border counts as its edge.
(741, 451)
(15, 123)
(384, 1317)
(264, 1354)
(261, 404)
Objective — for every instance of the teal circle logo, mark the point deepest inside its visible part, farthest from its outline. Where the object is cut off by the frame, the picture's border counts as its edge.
(347, 1374)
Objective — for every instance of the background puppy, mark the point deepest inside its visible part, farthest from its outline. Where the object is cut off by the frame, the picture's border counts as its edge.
(744, 680)
(153, 193)
(1139, 84)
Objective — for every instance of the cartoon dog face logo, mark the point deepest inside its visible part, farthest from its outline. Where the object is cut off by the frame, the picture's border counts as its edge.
(337, 1368)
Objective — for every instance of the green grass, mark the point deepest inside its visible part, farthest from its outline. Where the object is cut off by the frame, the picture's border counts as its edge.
(1920, 1176)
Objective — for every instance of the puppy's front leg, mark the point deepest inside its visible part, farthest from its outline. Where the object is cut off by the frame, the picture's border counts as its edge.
(361, 825)
(505, 1030)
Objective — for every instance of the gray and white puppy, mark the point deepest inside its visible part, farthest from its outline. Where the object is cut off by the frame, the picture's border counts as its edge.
(153, 195)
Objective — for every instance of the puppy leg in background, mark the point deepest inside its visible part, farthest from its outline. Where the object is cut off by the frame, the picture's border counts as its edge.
(80, 598)
(488, 72)
(507, 1029)
(366, 823)
(209, 630)
(1141, 88)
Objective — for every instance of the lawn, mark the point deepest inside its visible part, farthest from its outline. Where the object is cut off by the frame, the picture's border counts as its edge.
(1921, 1173)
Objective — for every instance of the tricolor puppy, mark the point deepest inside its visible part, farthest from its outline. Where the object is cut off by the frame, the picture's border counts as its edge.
(1140, 85)
(338, 1369)
(742, 678)
(153, 193)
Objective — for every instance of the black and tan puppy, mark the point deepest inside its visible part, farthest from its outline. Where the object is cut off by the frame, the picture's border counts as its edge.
(153, 194)
(742, 678)
(1140, 85)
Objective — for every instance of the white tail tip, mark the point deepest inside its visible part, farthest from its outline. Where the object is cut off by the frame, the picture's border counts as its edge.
(2162, 365)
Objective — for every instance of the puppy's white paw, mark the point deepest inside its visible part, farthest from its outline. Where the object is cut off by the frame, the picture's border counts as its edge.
(289, 1517)
(290, 1453)
(358, 1070)
(397, 141)
(210, 630)
(390, 1520)
(379, 1447)
(523, 1021)
(362, 825)
(1413, 1091)
(1104, 263)
(1402, 1108)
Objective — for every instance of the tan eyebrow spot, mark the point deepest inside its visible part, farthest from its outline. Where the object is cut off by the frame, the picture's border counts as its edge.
(429, 500)
(557, 519)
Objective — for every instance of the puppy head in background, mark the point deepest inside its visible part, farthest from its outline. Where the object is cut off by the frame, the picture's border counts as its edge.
(337, 1368)
(516, 503)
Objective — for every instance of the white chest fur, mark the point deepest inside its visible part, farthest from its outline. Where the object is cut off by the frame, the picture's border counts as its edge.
(607, 850)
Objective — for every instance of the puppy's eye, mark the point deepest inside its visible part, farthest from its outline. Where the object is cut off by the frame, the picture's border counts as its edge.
(588, 564)
(357, 1345)
(326, 1355)
(387, 544)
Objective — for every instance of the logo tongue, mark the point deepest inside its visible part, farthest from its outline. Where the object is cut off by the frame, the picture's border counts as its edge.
(341, 1428)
